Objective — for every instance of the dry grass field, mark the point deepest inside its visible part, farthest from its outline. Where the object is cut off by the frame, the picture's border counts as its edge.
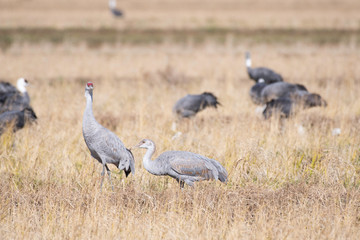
(282, 184)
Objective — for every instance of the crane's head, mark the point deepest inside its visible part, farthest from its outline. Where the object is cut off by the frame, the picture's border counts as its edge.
(210, 100)
(145, 143)
(89, 89)
(21, 84)
(314, 100)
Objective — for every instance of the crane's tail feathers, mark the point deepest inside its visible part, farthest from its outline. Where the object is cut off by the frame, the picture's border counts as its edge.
(131, 168)
(222, 177)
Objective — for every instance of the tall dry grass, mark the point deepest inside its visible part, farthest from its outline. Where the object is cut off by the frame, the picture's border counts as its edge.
(282, 184)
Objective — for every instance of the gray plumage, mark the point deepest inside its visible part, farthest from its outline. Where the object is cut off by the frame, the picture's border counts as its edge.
(115, 12)
(12, 98)
(190, 105)
(268, 75)
(185, 167)
(282, 89)
(103, 144)
(287, 105)
(255, 92)
(16, 119)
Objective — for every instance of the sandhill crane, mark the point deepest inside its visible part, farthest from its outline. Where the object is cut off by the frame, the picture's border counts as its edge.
(16, 119)
(116, 12)
(282, 89)
(103, 144)
(287, 105)
(14, 98)
(189, 105)
(255, 91)
(185, 167)
(268, 75)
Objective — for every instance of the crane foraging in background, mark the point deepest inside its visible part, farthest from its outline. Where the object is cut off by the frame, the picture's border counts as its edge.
(268, 75)
(185, 167)
(282, 89)
(103, 144)
(190, 105)
(288, 105)
(115, 12)
(14, 98)
(16, 119)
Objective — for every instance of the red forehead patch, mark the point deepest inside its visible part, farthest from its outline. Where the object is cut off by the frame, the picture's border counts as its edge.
(90, 84)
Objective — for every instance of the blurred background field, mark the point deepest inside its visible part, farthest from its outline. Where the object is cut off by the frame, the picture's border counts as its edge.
(282, 184)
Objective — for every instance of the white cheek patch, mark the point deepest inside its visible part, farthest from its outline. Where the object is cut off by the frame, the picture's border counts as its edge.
(261, 80)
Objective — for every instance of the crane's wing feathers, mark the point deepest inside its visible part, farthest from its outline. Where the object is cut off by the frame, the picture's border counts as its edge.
(116, 152)
(191, 164)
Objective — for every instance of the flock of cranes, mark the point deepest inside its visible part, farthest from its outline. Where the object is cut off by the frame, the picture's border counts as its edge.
(278, 96)
(186, 167)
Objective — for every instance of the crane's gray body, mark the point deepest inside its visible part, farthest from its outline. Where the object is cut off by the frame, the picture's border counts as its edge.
(189, 167)
(103, 144)
(288, 104)
(16, 119)
(255, 92)
(185, 167)
(282, 89)
(189, 105)
(11, 99)
(268, 75)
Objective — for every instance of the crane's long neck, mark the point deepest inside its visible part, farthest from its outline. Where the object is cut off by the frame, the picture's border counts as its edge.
(89, 121)
(150, 165)
(248, 62)
(21, 87)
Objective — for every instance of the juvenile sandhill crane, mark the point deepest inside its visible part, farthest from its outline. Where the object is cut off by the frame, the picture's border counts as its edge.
(185, 167)
(16, 119)
(268, 75)
(116, 12)
(190, 105)
(287, 105)
(255, 92)
(103, 144)
(14, 98)
(282, 89)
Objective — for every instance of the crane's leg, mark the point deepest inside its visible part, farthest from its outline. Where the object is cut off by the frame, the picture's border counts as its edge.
(102, 177)
(109, 173)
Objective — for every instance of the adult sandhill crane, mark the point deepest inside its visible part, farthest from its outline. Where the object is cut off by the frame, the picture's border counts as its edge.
(16, 119)
(185, 167)
(116, 12)
(268, 75)
(287, 105)
(14, 98)
(190, 105)
(282, 89)
(103, 144)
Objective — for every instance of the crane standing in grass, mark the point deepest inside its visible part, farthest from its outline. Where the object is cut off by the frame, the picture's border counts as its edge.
(268, 75)
(190, 105)
(14, 98)
(185, 167)
(16, 119)
(103, 144)
(115, 11)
